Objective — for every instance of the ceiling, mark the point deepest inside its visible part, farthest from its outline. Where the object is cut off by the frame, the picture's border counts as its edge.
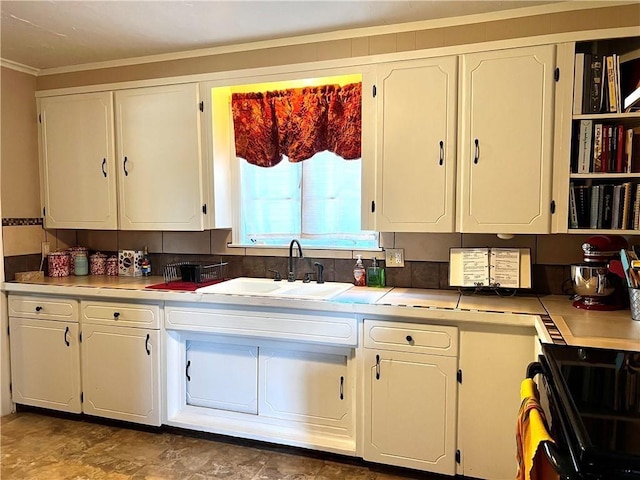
(48, 34)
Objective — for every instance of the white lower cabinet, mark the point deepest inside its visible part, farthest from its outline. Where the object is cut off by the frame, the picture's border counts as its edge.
(303, 386)
(120, 373)
(45, 364)
(222, 375)
(410, 395)
(45, 352)
(121, 360)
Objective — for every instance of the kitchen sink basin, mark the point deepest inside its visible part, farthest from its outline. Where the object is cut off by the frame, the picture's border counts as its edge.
(264, 287)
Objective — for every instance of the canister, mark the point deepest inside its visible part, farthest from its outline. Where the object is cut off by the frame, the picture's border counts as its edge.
(58, 263)
(98, 264)
(81, 264)
(112, 265)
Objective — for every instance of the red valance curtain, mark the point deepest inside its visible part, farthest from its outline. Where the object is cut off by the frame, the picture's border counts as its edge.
(298, 123)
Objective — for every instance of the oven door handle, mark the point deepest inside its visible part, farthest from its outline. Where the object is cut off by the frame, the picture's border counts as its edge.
(561, 463)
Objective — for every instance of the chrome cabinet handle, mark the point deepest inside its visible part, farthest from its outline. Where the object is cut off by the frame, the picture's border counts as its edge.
(441, 153)
(477, 156)
(66, 333)
(104, 163)
(124, 166)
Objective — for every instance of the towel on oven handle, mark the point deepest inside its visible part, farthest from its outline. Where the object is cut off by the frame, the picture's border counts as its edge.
(531, 432)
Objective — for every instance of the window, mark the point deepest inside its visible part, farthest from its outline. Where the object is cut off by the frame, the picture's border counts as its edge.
(316, 200)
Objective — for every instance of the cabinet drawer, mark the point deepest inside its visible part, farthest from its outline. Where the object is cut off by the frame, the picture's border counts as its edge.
(411, 337)
(49, 308)
(137, 315)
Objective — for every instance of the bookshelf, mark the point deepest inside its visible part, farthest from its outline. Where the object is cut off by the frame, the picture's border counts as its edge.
(604, 178)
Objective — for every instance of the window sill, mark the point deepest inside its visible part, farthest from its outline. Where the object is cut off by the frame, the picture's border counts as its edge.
(283, 251)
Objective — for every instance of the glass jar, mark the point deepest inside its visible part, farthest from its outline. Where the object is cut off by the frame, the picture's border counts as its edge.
(73, 251)
(81, 264)
(58, 263)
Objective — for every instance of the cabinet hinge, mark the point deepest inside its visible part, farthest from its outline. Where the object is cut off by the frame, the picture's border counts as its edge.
(375, 91)
(457, 456)
(202, 106)
(556, 74)
(204, 208)
(459, 376)
(81, 397)
(373, 206)
(553, 206)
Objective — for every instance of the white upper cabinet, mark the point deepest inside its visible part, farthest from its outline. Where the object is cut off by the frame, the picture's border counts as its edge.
(506, 141)
(416, 151)
(78, 161)
(159, 158)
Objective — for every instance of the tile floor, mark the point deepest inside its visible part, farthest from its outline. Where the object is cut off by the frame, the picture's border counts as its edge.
(36, 446)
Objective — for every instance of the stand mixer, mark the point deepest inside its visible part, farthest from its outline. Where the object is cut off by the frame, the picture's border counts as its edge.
(593, 281)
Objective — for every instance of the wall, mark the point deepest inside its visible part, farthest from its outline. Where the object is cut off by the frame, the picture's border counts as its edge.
(358, 46)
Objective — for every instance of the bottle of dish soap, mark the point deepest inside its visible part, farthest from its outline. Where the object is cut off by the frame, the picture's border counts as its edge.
(359, 273)
(375, 275)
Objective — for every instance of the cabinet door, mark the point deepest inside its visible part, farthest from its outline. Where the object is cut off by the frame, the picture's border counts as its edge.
(506, 141)
(159, 158)
(120, 373)
(492, 360)
(410, 410)
(45, 364)
(222, 376)
(308, 387)
(78, 161)
(416, 146)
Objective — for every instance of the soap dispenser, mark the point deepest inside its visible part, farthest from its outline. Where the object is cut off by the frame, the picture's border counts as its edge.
(375, 275)
(359, 273)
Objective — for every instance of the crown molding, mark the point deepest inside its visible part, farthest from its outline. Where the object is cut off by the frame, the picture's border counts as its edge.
(571, 5)
(19, 67)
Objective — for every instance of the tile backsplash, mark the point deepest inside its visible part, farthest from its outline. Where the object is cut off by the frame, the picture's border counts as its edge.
(426, 255)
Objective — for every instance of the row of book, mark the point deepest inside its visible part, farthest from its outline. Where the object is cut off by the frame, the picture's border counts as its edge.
(602, 148)
(598, 85)
(605, 206)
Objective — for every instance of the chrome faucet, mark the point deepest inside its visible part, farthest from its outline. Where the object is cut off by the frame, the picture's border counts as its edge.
(292, 276)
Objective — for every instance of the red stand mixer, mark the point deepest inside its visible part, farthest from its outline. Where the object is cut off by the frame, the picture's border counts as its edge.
(599, 281)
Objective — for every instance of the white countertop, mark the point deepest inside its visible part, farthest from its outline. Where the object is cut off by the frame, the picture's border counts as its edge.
(578, 327)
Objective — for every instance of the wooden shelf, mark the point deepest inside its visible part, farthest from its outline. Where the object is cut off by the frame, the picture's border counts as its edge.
(603, 176)
(607, 116)
(600, 231)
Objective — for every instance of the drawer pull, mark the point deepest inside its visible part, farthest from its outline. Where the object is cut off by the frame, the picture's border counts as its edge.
(186, 371)
(38, 308)
(146, 345)
(377, 367)
(341, 388)
(116, 315)
(66, 339)
(409, 339)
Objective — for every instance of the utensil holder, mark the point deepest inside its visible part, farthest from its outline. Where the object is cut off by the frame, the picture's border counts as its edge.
(634, 303)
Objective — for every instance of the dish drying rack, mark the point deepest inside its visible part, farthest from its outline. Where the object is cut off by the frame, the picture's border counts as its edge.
(194, 272)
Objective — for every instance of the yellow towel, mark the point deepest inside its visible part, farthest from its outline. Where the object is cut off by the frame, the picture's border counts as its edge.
(531, 431)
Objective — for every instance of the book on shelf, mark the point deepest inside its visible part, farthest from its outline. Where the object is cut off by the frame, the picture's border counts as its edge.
(573, 207)
(583, 204)
(595, 203)
(630, 84)
(584, 146)
(611, 83)
(605, 148)
(625, 205)
(620, 158)
(632, 100)
(578, 83)
(615, 207)
(636, 210)
(605, 209)
(595, 89)
(597, 147)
